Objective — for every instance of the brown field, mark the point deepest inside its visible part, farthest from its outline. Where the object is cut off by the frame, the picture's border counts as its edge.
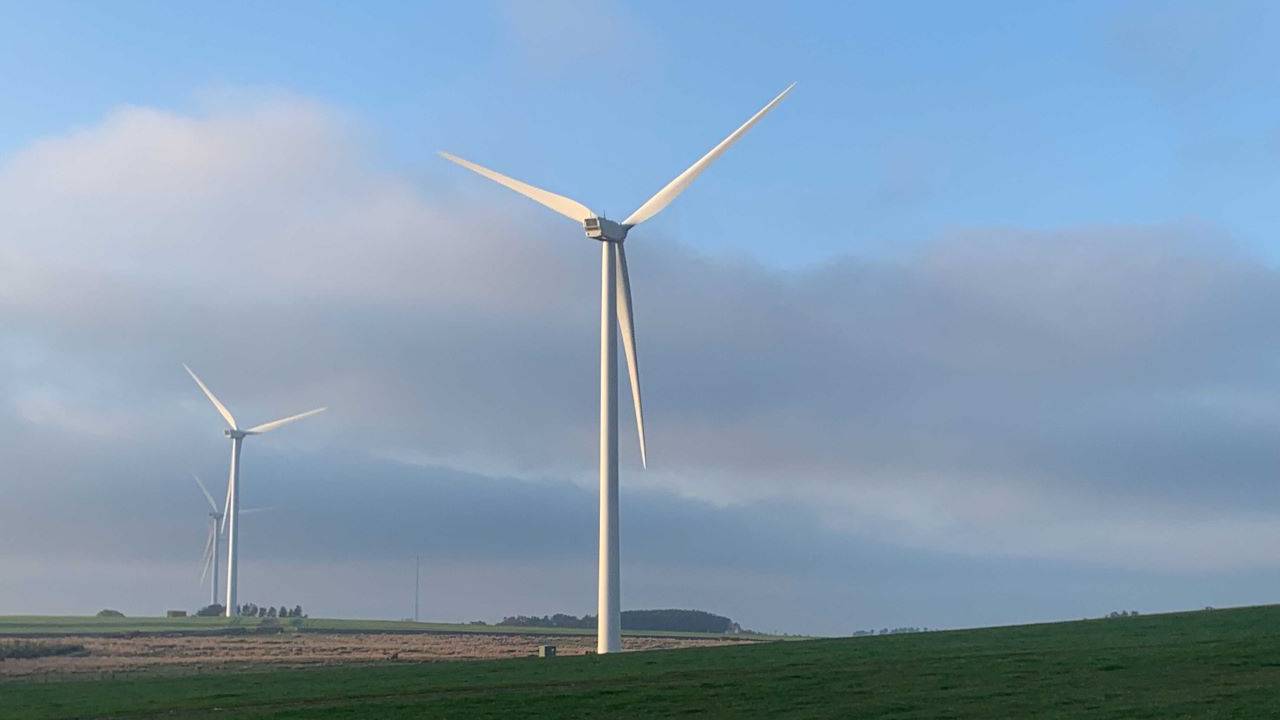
(188, 653)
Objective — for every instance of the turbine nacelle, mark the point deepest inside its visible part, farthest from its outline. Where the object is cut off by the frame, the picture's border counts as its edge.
(237, 434)
(605, 230)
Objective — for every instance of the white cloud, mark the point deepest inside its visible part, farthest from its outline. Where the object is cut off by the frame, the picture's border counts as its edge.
(984, 397)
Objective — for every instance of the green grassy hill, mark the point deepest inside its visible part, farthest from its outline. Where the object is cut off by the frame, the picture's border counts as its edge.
(1220, 664)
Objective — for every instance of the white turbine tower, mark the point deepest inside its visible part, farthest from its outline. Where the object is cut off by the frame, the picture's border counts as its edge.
(615, 301)
(231, 509)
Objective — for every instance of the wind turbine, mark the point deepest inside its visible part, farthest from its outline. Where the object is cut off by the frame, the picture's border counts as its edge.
(210, 559)
(231, 510)
(211, 551)
(615, 300)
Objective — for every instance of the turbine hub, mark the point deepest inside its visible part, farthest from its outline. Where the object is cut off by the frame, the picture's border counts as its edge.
(604, 230)
(234, 434)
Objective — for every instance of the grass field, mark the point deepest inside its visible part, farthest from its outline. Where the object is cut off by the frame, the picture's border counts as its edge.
(56, 625)
(1219, 664)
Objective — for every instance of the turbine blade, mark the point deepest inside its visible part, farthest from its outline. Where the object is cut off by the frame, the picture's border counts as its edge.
(571, 209)
(268, 427)
(627, 325)
(655, 204)
(209, 548)
(226, 414)
(226, 508)
(249, 511)
(205, 490)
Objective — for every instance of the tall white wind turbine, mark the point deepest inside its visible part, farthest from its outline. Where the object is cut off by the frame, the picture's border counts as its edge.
(615, 301)
(231, 510)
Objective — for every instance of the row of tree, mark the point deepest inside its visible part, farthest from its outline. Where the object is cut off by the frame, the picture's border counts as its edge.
(890, 631)
(662, 620)
(252, 610)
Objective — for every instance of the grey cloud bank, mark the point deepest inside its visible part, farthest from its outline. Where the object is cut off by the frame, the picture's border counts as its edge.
(341, 533)
(1002, 425)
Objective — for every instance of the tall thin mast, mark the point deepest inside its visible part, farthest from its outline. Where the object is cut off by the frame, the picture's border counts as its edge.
(608, 612)
(233, 516)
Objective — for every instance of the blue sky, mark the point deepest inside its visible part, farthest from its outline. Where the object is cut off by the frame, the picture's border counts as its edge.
(911, 119)
(976, 327)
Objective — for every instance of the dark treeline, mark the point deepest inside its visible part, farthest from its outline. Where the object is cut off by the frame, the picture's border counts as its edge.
(559, 620)
(252, 610)
(890, 631)
(664, 620)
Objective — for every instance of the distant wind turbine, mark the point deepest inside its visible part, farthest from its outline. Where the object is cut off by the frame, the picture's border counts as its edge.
(211, 549)
(231, 510)
(615, 300)
(210, 559)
